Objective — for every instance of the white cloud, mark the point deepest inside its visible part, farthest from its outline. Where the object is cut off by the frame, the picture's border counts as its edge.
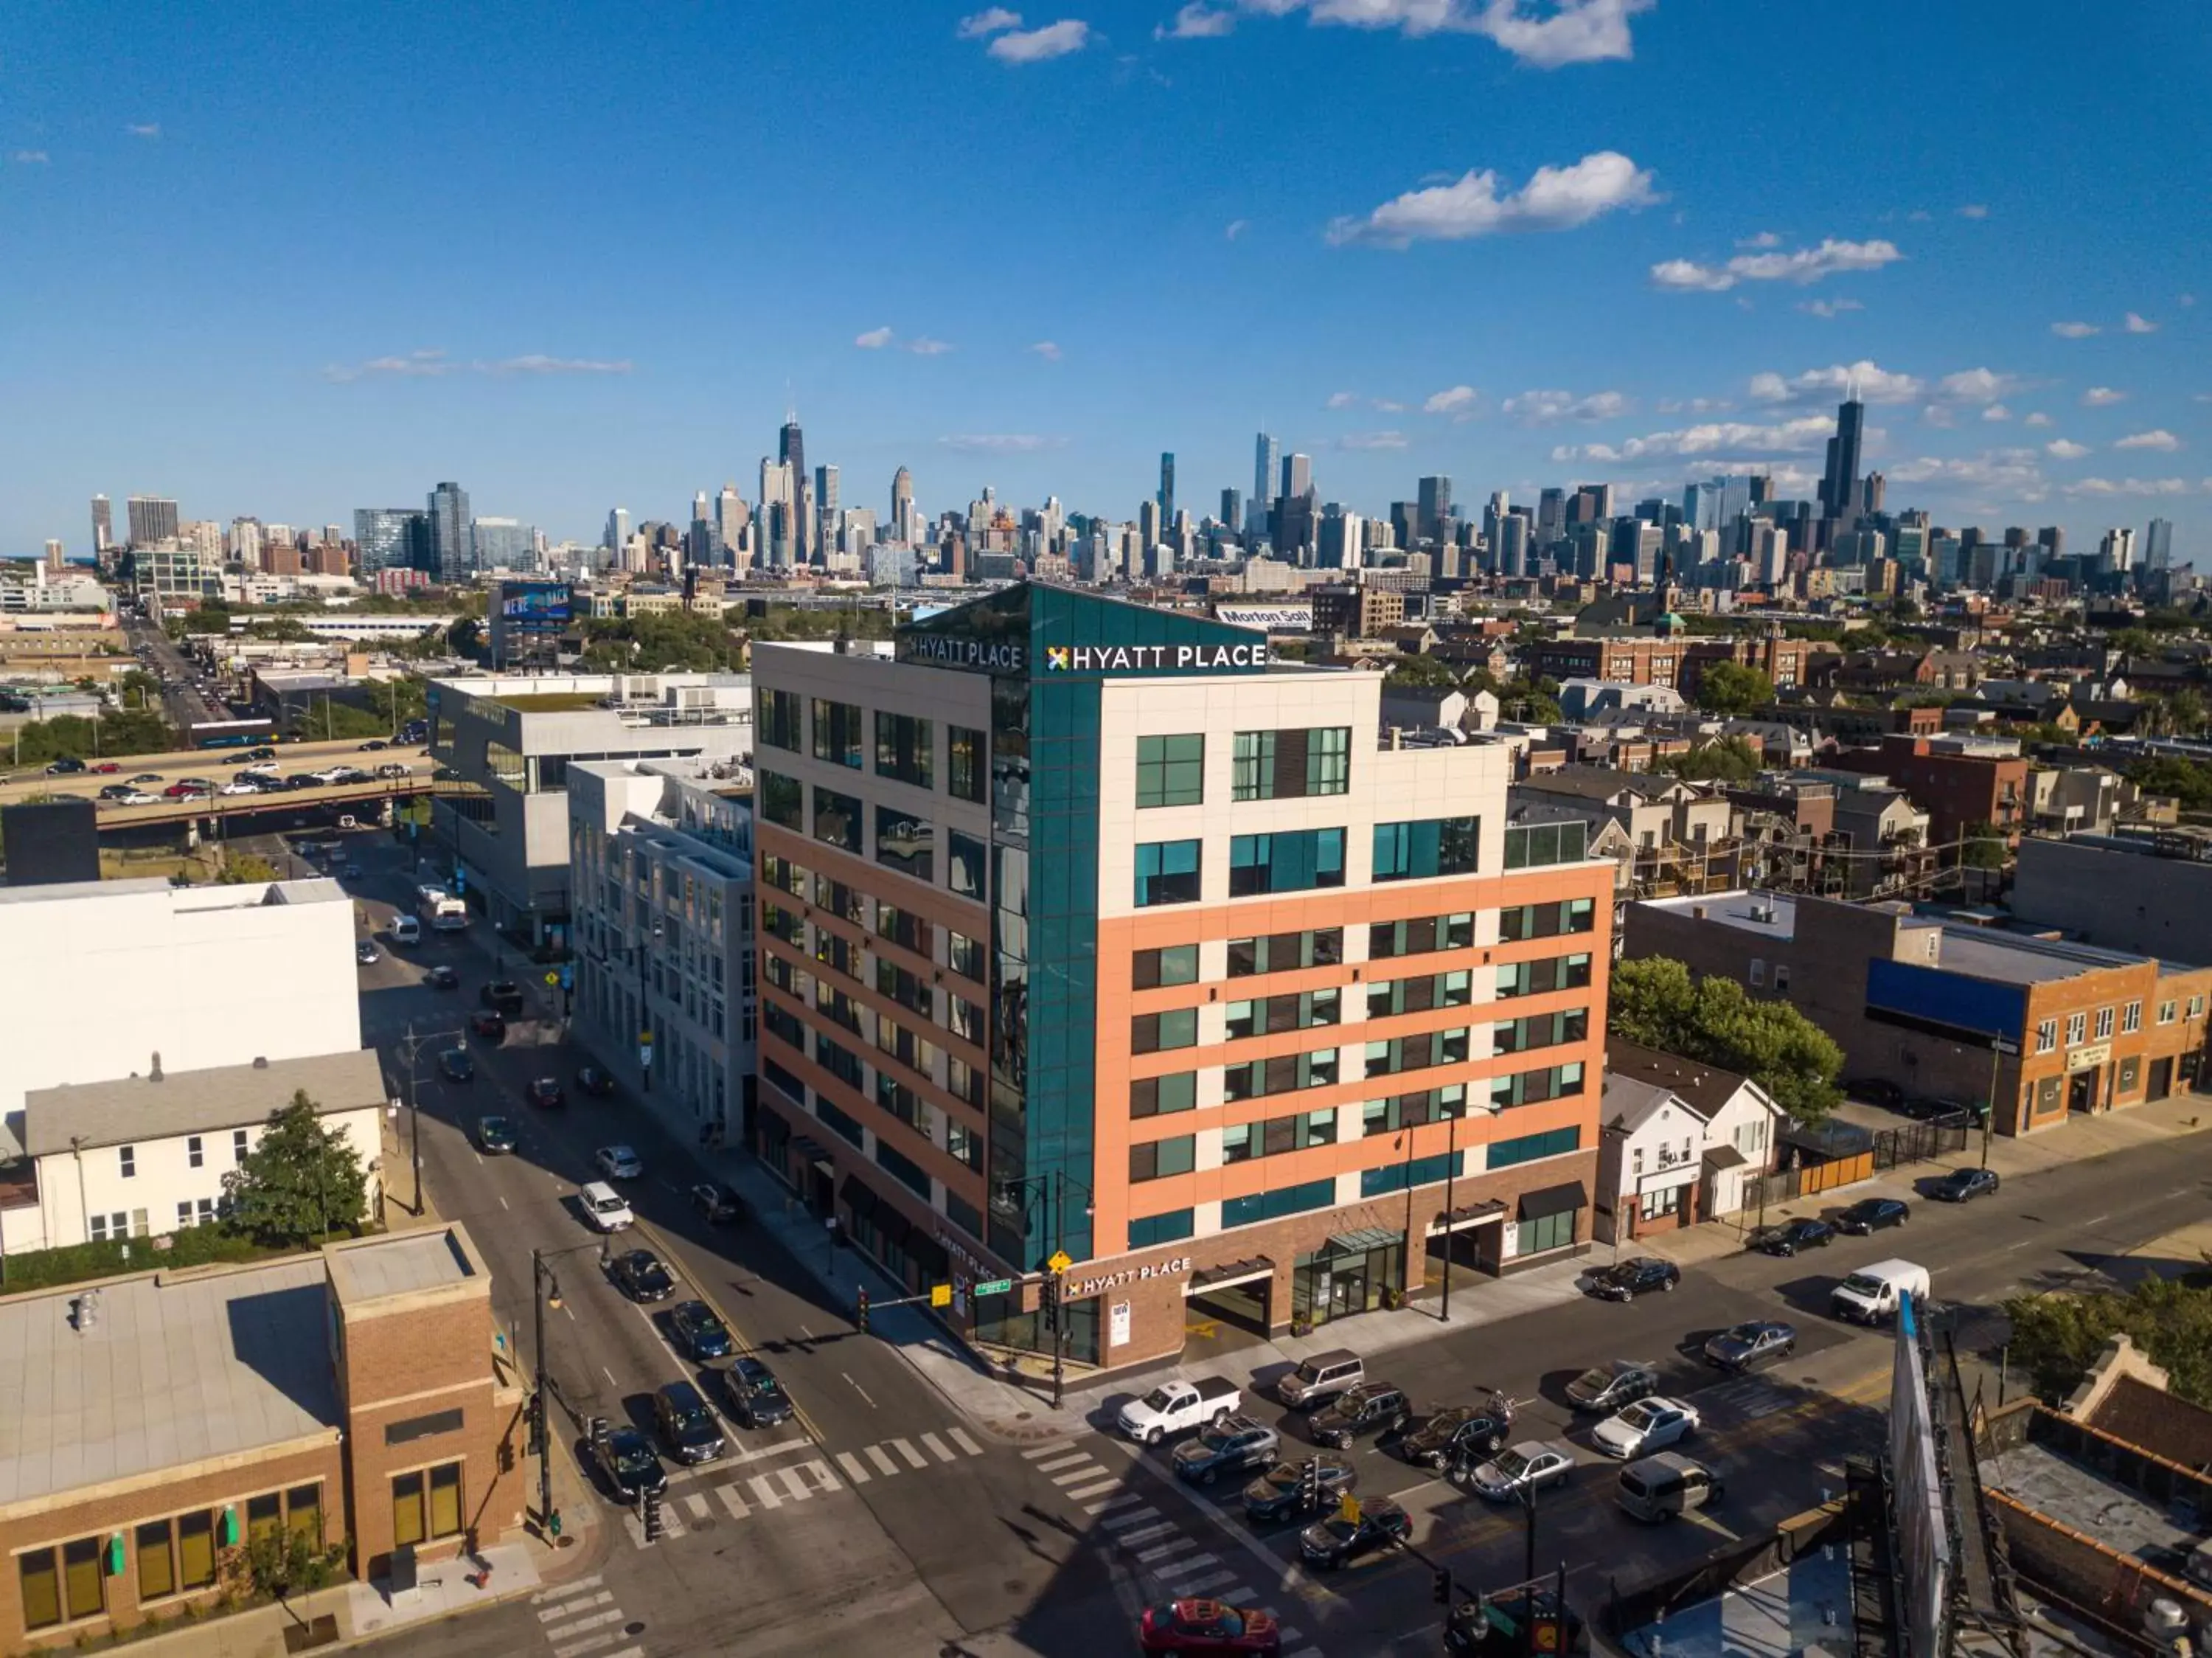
(416, 365)
(2074, 329)
(1789, 437)
(2102, 396)
(1001, 442)
(2038, 418)
(2140, 324)
(1048, 350)
(1563, 31)
(1976, 386)
(31, 158)
(1936, 414)
(1389, 406)
(1973, 210)
(2136, 487)
(1764, 239)
(990, 22)
(1342, 401)
(1371, 441)
(1918, 216)
(1236, 227)
(874, 340)
(925, 346)
(144, 130)
(1802, 266)
(2012, 471)
(2158, 438)
(1828, 308)
(2065, 448)
(1036, 45)
(433, 365)
(537, 363)
(1554, 199)
(1458, 401)
(1873, 384)
(1197, 22)
(1543, 408)
(1997, 411)
(2184, 300)
(1695, 406)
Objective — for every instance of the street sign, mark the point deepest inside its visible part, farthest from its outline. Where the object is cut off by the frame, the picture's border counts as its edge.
(1348, 1509)
(992, 1287)
(1059, 1260)
(552, 979)
(941, 1294)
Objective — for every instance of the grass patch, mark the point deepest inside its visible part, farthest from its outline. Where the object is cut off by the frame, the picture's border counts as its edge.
(553, 702)
(194, 1246)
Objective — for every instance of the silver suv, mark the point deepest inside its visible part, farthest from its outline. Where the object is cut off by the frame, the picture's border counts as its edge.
(1320, 1379)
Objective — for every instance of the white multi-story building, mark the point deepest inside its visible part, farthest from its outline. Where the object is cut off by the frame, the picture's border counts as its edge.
(660, 889)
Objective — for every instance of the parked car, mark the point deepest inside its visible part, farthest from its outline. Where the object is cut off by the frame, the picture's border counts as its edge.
(1458, 1432)
(1790, 1237)
(442, 977)
(1229, 1446)
(1175, 1407)
(1606, 1388)
(718, 1204)
(366, 953)
(642, 1276)
(1528, 1466)
(1929, 1108)
(1373, 1408)
(489, 1026)
(1963, 1186)
(495, 1136)
(1624, 1281)
(687, 1425)
(1337, 1541)
(503, 995)
(701, 1334)
(751, 1396)
(1293, 1489)
(545, 1092)
(1666, 1484)
(607, 1210)
(1873, 1293)
(1871, 1214)
(1650, 1424)
(594, 1082)
(68, 766)
(1743, 1346)
(456, 1064)
(626, 1459)
(1320, 1379)
(618, 1163)
(1209, 1626)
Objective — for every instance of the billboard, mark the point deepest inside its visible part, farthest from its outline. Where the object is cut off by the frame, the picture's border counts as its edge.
(534, 607)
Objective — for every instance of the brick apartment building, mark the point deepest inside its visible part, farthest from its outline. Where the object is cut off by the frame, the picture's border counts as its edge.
(1085, 928)
(1949, 1011)
(1957, 781)
(1676, 662)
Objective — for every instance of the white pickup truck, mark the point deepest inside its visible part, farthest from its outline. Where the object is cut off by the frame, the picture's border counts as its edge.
(1870, 1295)
(1174, 1407)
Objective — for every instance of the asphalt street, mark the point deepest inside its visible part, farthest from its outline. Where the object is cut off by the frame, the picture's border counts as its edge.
(881, 1521)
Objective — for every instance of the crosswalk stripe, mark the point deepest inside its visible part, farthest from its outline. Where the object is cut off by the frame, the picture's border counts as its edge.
(1038, 1453)
(553, 1613)
(959, 1437)
(1158, 1549)
(733, 1501)
(825, 1478)
(1122, 1502)
(1197, 1561)
(568, 1590)
(697, 1502)
(915, 1458)
(1209, 1584)
(1130, 1518)
(596, 1620)
(1147, 1533)
(628, 1652)
(764, 1493)
(1109, 1484)
(1090, 1470)
(878, 1455)
(937, 1448)
(1305, 1652)
(1067, 1461)
(589, 1643)
(853, 1471)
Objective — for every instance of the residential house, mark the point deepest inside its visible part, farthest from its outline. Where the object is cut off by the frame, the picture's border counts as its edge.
(1678, 1142)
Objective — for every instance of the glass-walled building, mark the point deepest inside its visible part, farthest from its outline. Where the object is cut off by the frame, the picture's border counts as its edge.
(1087, 929)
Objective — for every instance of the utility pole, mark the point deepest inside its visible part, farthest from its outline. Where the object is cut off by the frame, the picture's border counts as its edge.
(541, 1277)
(1451, 1238)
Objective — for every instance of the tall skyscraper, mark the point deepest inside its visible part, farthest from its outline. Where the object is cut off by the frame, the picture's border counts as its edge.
(390, 538)
(1839, 484)
(1509, 545)
(1232, 510)
(504, 544)
(730, 519)
(57, 560)
(245, 544)
(1297, 474)
(1167, 489)
(2158, 544)
(103, 525)
(825, 506)
(452, 553)
(2116, 552)
(1433, 508)
(617, 534)
(791, 449)
(1265, 459)
(151, 519)
(903, 506)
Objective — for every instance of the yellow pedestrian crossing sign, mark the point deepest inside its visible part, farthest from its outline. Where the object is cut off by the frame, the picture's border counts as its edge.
(1348, 1509)
(941, 1294)
(1061, 1260)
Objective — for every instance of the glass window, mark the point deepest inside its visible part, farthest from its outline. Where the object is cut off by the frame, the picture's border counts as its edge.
(265, 1517)
(42, 1589)
(2104, 1030)
(969, 774)
(837, 733)
(1155, 1160)
(1527, 1147)
(1167, 872)
(157, 1563)
(777, 720)
(783, 801)
(1291, 765)
(1172, 964)
(1295, 860)
(1170, 771)
(1155, 1032)
(837, 818)
(1152, 1229)
(2047, 1035)
(303, 1512)
(964, 955)
(196, 1550)
(1157, 1096)
(906, 842)
(81, 1578)
(407, 1515)
(446, 1499)
(1427, 848)
(905, 748)
(194, 1157)
(963, 864)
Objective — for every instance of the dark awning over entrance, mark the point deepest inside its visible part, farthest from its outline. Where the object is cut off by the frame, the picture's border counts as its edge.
(1236, 1272)
(1359, 1242)
(1467, 1214)
(1553, 1200)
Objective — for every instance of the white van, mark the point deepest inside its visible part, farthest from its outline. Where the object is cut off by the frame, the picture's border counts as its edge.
(1665, 1484)
(606, 1208)
(1870, 1295)
(406, 930)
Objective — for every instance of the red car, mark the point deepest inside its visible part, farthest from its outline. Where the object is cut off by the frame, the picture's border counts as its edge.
(1209, 1626)
(107, 768)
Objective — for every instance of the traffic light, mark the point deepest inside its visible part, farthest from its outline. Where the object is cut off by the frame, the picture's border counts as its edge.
(653, 1523)
(1440, 1589)
(860, 1309)
(1309, 1484)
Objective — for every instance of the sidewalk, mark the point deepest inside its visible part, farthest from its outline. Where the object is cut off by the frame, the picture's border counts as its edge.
(2078, 1140)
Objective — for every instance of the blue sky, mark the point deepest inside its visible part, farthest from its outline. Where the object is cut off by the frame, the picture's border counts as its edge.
(289, 260)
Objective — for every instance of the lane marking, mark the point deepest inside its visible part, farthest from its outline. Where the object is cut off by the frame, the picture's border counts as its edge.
(857, 1388)
(939, 1448)
(596, 1620)
(569, 1589)
(1131, 1518)
(1147, 1533)
(588, 1642)
(959, 1437)
(761, 1454)
(1104, 1485)
(825, 1479)
(765, 1494)
(732, 1501)
(853, 1471)
(1038, 1453)
(914, 1458)
(1208, 1584)
(609, 1375)
(1067, 1461)
(553, 1614)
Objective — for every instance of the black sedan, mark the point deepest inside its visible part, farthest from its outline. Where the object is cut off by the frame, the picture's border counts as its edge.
(1744, 1346)
(627, 1458)
(642, 1275)
(456, 1064)
(1370, 1409)
(503, 995)
(720, 1205)
(751, 1396)
(594, 1082)
(699, 1332)
(1604, 1388)
(1458, 1431)
(1792, 1237)
(494, 1135)
(1871, 1214)
(1963, 1186)
(1337, 1541)
(1290, 1491)
(1624, 1281)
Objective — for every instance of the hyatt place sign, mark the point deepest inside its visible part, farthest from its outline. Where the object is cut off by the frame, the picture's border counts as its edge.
(1155, 659)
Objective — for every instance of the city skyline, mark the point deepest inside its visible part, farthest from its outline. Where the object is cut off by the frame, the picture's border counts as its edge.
(1560, 310)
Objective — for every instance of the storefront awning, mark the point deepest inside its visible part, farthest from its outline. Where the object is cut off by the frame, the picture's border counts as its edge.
(1725, 1157)
(1359, 1242)
(1236, 1272)
(1467, 1214)
(1553, 1200)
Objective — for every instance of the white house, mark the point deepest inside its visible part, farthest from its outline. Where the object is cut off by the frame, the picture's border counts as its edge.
(146, 1155)
(1677, 1141)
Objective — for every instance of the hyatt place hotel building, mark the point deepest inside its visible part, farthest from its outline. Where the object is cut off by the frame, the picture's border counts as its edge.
(1087, 929)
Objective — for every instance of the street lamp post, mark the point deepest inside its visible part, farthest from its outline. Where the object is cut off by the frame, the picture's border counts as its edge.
(541, 1281)
(1451, 1171)
(413, 1045)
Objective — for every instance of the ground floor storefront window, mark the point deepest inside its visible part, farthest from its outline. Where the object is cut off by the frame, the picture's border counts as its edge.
(1030, 1332)
(1347, 1275)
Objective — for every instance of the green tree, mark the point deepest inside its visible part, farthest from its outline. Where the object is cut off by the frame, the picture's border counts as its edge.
(299, 1182)
(283, 1563)
(1732, 688)
(244, 870)
(1416, 672)
(2186, 780)
(1656, 1002)
(1982, 846)
(683, 641)
(2056, 1337)
(1730, 760)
